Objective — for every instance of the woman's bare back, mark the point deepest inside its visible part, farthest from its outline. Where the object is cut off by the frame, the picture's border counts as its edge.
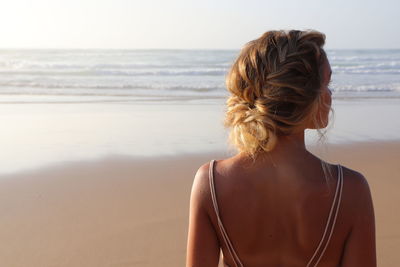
(275, 215)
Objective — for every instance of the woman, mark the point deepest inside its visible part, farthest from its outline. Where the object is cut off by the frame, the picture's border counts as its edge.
(275, 203)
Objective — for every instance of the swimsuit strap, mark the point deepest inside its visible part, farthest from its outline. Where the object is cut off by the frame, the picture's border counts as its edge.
(227, 241)
(331, 220)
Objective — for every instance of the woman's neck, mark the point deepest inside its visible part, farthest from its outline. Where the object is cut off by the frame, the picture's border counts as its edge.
(289, 149)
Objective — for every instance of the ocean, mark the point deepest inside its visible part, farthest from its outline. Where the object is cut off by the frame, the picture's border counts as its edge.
(58, 106)
(49, 76)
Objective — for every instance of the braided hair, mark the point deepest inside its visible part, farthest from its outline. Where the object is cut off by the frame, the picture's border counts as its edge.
(274, 87)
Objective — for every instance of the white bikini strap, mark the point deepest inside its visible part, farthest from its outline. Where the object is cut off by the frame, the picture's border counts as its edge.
(337, 198)
(228, 243)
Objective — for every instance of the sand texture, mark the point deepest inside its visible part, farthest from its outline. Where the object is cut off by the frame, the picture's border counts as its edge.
(123, 211)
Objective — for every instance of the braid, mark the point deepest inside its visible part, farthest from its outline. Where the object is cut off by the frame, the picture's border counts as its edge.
(273, 85)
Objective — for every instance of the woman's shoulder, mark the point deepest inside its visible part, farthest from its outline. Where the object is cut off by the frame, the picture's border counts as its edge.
(356, 199)
(203, 172)
(201, 178)
(201, 187)
(355, 180)
(200, 192)
(352, 178)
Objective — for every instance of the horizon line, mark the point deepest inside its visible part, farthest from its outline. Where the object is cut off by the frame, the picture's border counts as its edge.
(171, 49)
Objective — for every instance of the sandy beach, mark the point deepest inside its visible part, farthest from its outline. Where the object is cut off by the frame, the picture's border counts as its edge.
(108, 111)
(122, 211)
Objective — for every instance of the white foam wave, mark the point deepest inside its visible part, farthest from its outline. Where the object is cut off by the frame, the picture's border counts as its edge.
(99, 72)
(170, 73)
(395, 87)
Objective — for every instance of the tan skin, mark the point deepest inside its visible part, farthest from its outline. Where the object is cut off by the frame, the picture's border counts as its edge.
(275, 210)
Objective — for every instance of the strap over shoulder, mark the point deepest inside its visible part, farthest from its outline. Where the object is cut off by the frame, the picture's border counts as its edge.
(331, 220)
(224, 234)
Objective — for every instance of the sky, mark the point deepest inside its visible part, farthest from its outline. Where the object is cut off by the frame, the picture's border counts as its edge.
(188, 24)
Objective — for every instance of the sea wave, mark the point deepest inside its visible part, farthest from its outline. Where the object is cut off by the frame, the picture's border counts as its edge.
(25, 65)
(367, 88)
(172, 73)
(99, 72)
(7, 87)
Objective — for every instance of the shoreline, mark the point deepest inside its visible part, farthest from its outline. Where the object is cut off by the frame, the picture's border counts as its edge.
(322, 150)
(37, 135)
(121, 211)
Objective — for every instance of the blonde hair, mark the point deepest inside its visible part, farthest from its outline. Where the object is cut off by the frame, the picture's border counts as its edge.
(274, 87)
